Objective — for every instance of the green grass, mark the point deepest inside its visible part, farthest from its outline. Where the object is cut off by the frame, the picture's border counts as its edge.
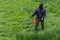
(15, 23)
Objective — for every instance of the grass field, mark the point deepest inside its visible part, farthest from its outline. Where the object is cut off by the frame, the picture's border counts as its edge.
(16, 24)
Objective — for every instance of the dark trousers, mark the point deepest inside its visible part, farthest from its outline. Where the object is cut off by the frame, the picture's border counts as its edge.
(42, 24)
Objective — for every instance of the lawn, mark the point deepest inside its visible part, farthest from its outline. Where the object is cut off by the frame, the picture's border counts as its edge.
(16, 24)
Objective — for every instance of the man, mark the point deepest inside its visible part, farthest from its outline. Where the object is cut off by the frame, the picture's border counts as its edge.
(40, 15)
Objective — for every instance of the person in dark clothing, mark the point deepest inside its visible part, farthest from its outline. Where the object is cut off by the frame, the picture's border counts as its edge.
(40, 15)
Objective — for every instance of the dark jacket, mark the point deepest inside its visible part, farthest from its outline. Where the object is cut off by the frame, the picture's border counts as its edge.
(39, 14)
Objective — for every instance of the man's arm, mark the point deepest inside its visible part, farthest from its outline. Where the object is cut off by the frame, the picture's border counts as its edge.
(34, 13)
(44, 15)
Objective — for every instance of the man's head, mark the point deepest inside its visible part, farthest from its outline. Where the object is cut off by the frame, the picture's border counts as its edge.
(41, 6)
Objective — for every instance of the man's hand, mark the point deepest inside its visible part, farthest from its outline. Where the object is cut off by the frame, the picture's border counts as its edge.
(42, 18)
(31, 17)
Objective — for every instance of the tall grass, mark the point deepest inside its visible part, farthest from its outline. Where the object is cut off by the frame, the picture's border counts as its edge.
(15, 22)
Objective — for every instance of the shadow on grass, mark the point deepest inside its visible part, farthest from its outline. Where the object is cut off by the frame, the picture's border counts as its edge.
(47, 35)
